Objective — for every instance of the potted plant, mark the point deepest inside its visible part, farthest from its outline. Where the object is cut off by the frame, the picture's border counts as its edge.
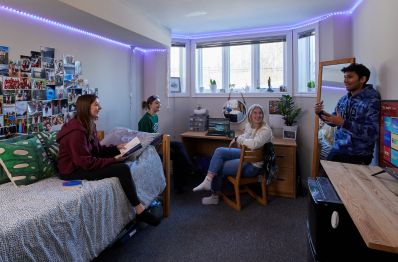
(289, 113)
(311, 86)
(213, 85)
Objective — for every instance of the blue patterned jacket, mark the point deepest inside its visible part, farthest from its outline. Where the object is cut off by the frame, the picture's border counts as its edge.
(358, 134)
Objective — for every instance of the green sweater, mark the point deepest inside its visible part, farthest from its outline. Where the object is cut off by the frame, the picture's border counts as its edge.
(149, 123)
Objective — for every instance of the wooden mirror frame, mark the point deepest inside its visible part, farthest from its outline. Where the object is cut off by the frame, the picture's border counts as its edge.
(315, 154)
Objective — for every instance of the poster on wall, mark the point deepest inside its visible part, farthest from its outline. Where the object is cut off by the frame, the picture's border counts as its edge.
(389, 134)
(47, 57)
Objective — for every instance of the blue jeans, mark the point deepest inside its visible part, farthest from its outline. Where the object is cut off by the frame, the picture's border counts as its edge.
(225, 162)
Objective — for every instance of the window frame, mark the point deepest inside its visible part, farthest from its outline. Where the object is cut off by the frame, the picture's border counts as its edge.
(296, 33)
(186, 83)
(254, 60)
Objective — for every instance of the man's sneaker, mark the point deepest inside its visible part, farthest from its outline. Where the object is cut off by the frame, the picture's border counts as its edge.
(211, 200)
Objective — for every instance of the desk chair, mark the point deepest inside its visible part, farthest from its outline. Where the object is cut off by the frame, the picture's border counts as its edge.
(241, 183)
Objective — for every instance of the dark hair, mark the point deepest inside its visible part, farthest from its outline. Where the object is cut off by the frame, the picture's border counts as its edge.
(359, 69)
(145, 104)
(83, 105)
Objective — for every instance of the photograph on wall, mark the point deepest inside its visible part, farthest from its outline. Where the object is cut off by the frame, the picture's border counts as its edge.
(24, 62)
(13, 69)
(175, 86)
(389, 134)
(47, 108)
(39, 94)
(46, 123)
(8, 97)
(73, 94)
(72, 107)
(25, 83)
(1, 104)
(59, 67)
(273, 107)
(69, 73)
(3, 55)
(21, 108)
(38, 84)
(35, 118)
(1, 121)
(3, 70)
(50, 92)
(38, 73)
(56, 107)
(10, 83)
(69, 61)
(68, 116)
(34, 107)
(8, 130)
(35, 59)
(60, 92)
(47, 57)
(9, 115)
(57, 122)
(50, 76)
(78, 69)
(23, 95)
(22, 126)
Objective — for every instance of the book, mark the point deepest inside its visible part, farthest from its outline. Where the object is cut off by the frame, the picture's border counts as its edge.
(130, 147)
(72, 184)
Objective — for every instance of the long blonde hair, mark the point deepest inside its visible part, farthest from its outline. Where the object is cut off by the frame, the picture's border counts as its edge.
(249, 117)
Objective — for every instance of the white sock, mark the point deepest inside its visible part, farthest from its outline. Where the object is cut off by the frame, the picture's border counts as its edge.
(205, 185)
(211, 200)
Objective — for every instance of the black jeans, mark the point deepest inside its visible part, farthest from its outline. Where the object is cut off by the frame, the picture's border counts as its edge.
(119, 170)
(344, 158)
(182, 164)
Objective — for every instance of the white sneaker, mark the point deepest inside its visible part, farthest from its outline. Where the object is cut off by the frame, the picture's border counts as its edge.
(211, 200)
(205, 185)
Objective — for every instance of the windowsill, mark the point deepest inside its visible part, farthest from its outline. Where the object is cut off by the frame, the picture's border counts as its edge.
(305, 94)
(238, 94)
(178, 95)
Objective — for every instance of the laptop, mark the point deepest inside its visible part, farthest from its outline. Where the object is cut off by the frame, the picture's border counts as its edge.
(218, 127)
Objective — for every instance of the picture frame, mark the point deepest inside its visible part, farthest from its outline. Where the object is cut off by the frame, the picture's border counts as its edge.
(388, 140)
(175, 85)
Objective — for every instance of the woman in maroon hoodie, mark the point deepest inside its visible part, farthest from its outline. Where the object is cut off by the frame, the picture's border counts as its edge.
(81, 156)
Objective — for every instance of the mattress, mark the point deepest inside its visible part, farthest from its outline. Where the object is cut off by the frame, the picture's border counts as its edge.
(46, 222)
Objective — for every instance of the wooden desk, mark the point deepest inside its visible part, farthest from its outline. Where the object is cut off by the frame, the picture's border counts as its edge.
(371, 201)
(198, 144)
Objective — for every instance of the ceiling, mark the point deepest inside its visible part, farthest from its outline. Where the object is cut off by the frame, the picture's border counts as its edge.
(193, 17)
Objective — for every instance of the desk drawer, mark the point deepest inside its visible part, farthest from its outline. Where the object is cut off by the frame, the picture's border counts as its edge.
(285, 185)
(284, 156)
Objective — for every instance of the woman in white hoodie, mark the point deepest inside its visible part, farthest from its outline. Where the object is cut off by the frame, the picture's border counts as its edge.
(225, 160)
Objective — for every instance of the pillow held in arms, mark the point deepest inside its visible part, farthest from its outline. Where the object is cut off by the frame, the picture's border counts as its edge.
(25, 162)
(119, 135)
(7, 140)
(50, 145)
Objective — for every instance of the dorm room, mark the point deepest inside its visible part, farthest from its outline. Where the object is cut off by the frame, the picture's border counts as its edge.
(207, 64)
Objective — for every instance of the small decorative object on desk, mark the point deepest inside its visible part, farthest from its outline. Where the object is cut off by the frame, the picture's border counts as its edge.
(269, 85)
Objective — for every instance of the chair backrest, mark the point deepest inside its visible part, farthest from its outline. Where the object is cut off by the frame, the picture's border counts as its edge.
(249, 155)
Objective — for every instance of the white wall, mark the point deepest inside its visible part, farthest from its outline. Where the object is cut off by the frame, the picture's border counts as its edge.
(106, 66)
(375, 38)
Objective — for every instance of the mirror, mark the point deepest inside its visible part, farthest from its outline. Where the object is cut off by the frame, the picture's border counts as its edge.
(234, 110)
(330, 89)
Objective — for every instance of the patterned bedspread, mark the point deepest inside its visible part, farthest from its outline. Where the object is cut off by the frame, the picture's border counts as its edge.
(46, 222)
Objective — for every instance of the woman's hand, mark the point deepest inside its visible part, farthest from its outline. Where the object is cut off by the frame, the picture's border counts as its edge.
(234, 143)
(120, 158)
(121, 146)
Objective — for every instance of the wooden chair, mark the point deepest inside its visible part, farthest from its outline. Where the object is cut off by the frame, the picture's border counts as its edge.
(241, 183)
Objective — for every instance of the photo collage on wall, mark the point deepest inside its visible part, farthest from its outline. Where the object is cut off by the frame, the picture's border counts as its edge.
(389, 134)
(38, 92)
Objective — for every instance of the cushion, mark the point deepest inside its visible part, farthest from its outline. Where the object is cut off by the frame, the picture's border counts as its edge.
(25, 162)
(50, 145)
(7, 140)
(120, 135)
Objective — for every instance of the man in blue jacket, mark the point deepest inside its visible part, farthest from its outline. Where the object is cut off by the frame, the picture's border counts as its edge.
(356, 117)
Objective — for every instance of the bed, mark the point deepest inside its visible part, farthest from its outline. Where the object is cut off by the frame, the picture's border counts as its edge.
(45, 221)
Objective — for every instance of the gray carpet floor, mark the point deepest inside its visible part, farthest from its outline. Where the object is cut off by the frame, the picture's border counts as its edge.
(193, 232)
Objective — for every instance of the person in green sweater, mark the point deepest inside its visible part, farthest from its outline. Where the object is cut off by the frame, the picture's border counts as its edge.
(182, 164)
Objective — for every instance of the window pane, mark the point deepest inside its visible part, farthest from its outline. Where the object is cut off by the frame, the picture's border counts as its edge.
(240, 66)
(272, 64)
(178, 65)
(211, 67)
(306, 62)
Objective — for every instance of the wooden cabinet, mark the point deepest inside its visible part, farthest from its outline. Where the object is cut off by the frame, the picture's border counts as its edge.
(197, 143)
(285, 185)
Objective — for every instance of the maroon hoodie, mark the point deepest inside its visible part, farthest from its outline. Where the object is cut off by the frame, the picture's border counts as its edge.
(76, 151)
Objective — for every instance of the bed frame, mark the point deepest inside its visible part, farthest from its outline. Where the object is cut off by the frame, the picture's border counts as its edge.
(165, 151)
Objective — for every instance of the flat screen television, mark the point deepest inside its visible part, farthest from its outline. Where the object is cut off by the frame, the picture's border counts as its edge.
(388, 157)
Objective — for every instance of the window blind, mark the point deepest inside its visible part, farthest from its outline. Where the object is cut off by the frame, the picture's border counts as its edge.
(241, 42)
(306, 34)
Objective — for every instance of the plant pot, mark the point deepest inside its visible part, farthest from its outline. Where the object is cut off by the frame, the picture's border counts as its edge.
(310, 90)
(290, 132)
(213, 88)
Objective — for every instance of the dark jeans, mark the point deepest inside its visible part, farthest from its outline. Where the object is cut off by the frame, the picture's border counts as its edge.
(182, 164)
(344, 158)
(119, 170)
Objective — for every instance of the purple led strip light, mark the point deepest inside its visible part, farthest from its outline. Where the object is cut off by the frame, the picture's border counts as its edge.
(269, 29)
(74, 29)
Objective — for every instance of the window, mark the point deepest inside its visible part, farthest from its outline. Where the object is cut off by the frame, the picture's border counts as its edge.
(306, 61)
(178, 63)
(242, 65)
